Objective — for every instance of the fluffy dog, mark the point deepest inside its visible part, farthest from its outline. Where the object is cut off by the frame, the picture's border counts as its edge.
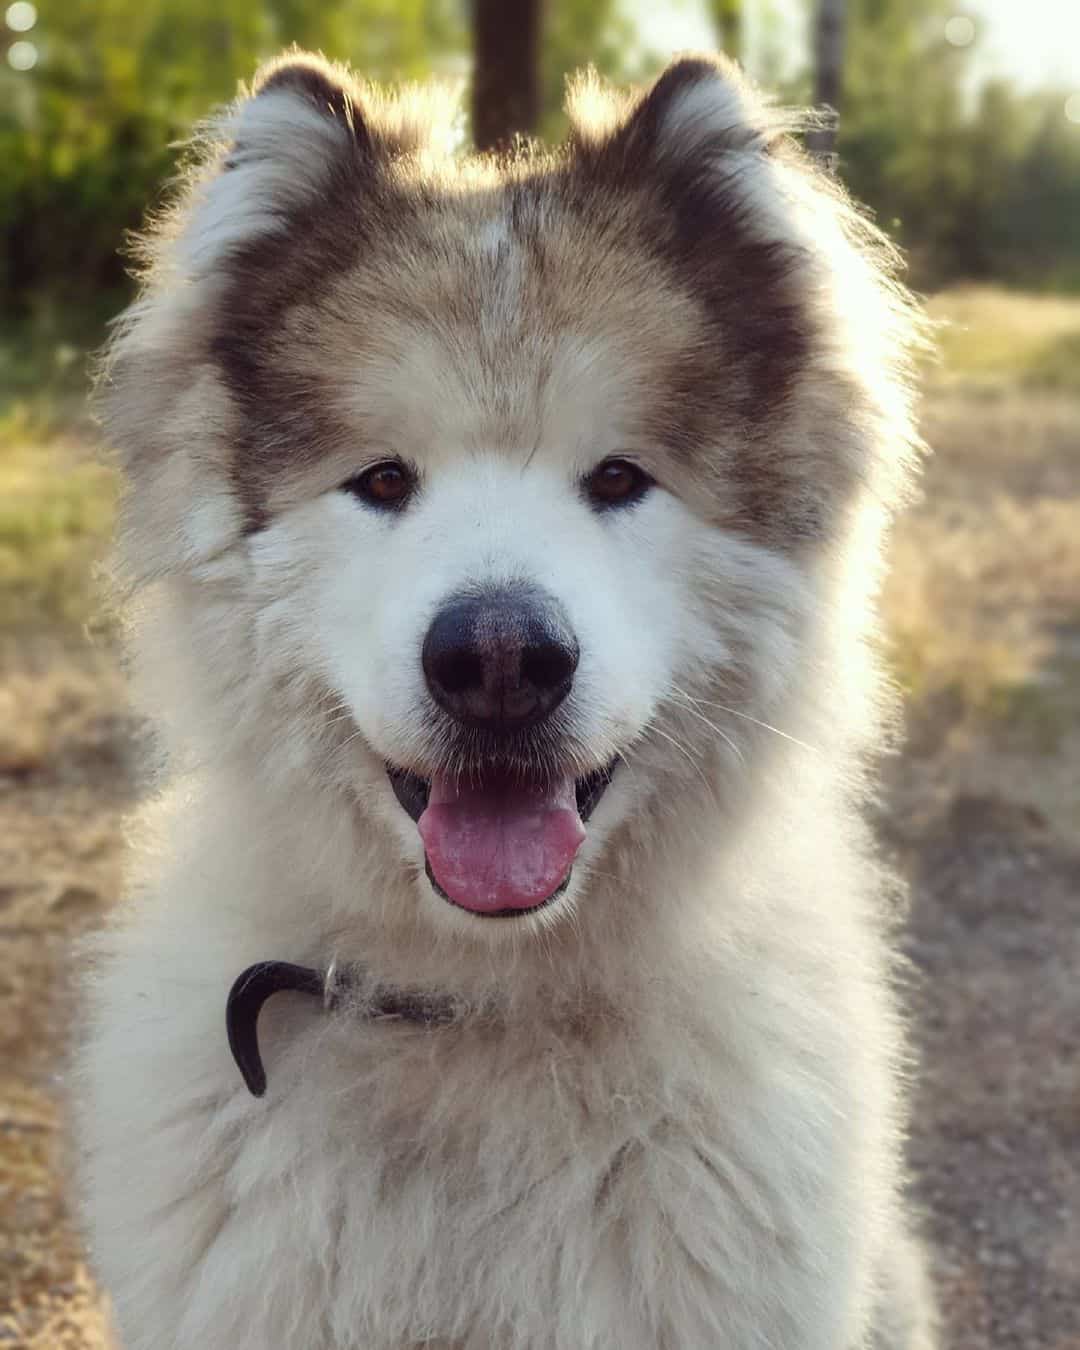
(504, 537)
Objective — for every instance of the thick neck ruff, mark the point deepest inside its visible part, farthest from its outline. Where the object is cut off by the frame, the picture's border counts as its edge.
(334, 986)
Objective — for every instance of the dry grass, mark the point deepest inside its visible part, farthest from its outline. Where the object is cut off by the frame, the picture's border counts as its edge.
(994, 337)
(983, 599)
(56, 511)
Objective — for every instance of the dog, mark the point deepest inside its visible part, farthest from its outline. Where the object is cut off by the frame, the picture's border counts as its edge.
(508, 964)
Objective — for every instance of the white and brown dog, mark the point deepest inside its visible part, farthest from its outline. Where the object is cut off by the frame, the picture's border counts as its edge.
(504, 537)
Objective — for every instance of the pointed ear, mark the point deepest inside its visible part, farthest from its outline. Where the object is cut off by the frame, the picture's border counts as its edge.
(703, 139)
(297, 142)
(327, 90)
(790, 280)
(700, 106)
(306, 140)
(294, 159)
(286, 187)
(704, 157)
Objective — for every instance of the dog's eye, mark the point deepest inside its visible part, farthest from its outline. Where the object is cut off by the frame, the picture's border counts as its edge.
(387, 486)
(616, 482)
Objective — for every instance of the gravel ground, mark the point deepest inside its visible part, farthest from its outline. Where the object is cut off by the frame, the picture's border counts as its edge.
(995, 937)
(63, 792)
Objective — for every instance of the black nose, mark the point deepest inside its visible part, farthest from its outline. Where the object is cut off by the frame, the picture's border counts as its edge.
(500, 660)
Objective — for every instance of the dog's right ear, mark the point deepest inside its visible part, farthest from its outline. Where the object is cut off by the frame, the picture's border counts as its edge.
(299, 142)
(301, 155)
(308, 140)
(329, 90)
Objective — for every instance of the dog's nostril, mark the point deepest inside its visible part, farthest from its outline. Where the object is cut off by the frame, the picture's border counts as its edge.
(549, 664)
(458, 669)
(500, 660)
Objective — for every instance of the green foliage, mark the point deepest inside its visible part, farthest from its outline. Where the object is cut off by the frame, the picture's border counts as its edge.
(984, 186)
(973, 186)
(87, 137)
(56, 511)
(727, 17)
(578, 34)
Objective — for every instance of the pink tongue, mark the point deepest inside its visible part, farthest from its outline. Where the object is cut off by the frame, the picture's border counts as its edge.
(503, 845)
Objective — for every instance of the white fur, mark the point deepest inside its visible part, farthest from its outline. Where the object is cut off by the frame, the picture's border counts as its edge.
(709, 999)
(284, 151)
(702, 111)
(679, 1128)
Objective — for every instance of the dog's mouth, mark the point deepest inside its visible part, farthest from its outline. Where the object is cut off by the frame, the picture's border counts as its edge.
(497, 844)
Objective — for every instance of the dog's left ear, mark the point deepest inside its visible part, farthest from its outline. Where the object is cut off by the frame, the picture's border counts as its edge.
(708, 145)
(778, 257)
(699, 108)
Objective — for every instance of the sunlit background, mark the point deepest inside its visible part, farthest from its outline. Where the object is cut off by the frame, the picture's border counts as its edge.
(959, 123)
(959, 127)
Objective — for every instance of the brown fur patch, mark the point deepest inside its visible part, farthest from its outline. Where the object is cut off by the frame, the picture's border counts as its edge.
(638, 243)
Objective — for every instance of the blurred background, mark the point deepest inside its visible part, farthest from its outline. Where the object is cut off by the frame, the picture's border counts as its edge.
(959, 127)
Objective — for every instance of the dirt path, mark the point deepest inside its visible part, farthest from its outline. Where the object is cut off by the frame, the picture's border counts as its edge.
(63, 793)
(996, 938)
(995, 935)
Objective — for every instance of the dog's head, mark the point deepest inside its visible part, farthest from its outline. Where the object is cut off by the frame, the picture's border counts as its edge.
(505, 496)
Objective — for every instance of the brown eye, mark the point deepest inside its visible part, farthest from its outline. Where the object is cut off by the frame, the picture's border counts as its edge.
(616, 482)
(387, 486)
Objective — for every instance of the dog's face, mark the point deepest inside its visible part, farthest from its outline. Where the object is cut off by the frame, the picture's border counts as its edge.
(513, 481)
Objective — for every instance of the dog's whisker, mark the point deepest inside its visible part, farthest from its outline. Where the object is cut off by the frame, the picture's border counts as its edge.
(337, 749)
(343, 716)
(688, 704)
(767, 726)
(746, 717)
(686, 755)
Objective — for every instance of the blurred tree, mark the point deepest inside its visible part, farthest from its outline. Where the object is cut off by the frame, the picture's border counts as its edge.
(977, 184)
(598, 33)
(828, 72)
(727, 17)
(904, 125)
(88, 136)
(829, 52)
(506, 71)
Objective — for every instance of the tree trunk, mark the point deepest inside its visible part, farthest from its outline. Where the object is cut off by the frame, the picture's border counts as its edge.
(828, 73)
(728, 18)
(506, 71)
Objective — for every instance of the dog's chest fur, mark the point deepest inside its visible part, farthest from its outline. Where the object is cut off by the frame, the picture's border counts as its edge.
(580, 1179)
